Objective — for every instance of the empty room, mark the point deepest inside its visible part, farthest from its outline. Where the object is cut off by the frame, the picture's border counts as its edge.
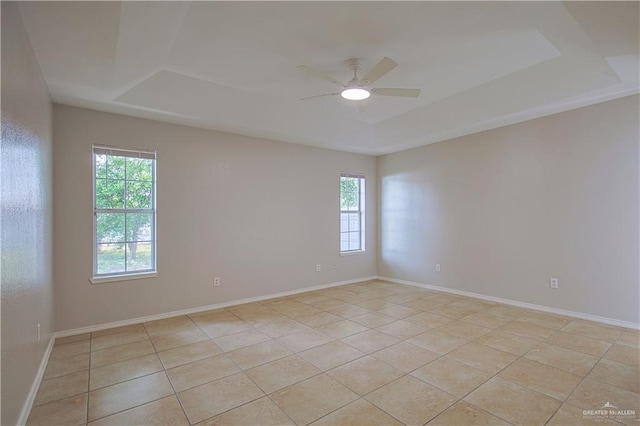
(320, 213)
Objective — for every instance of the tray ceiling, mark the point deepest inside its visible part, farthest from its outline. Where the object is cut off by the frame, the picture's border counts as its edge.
(232, 66)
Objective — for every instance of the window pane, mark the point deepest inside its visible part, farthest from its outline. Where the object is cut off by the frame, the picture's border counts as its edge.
(101, 166)
(344, 222)
(115, 167)
(354, 240)
(109, 194)
(349, 193)
(139, 256)
(111, 258)
(354, 221)
(344, 245)
(139, 169)
(110, 227)
(139, 195)
(139, 227)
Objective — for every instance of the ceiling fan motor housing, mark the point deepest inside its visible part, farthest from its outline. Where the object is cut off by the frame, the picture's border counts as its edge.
(356, 89)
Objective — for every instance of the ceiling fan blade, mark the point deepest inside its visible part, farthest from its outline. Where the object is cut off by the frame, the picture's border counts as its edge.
(319, 96)
(406, 93)
(381, 68)
(319, 74)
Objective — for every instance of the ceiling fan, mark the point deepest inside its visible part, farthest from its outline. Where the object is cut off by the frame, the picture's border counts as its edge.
(359, 89)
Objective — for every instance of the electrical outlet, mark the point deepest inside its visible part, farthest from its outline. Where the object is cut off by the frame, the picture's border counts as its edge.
(318, 267)
(38, 327)
(216, 282)
(437, 267)
(553, 282)
(334, 267)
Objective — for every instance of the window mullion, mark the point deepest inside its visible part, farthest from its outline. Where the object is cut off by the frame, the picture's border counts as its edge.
(124, 210)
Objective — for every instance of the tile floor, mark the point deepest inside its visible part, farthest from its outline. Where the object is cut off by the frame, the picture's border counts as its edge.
(362, 354)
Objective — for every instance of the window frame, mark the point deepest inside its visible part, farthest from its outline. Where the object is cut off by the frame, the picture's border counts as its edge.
(361, 211)
(125, 275)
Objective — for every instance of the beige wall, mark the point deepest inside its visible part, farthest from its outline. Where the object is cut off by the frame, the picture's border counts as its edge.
(25, 225)
(259, 214)
(504, 210)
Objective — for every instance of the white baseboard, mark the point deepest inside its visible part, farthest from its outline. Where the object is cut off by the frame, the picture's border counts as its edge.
(33, 392)
(138, 320)
(581, 315)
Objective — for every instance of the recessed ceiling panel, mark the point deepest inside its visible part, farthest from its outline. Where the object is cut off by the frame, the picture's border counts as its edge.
(146, 36)
(613, 27)
(237, 110)
(75, 42)
(504, 99)
(232, 66)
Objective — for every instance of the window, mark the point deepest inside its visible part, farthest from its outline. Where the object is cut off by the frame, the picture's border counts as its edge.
(124, 212)
(351, 213)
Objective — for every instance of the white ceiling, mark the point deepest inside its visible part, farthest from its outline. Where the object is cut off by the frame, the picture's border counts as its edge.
(232, 66)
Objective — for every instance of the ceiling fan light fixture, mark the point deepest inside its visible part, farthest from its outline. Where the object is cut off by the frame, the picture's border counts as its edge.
(355, 94)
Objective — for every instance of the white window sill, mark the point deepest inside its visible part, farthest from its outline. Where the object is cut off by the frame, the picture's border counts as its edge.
(127, 277)
(352, 253)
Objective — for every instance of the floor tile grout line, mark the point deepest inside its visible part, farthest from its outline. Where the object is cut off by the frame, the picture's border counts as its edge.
(128, 409)
(321, 371)
(191, 362)
(125, 359)
(89, 383)
(373, 390)
(609, 384)
(181, 345)
(568, 397)
(59, 399)
(89, 391)
(343, 406)
(242, 371)
(267, 362)
(495, 375)
(175, 395)
(262, 390)
(586, 376)
(64, 375)
(576, 350)
(167, 369)
(89, 379)
(473, 405)
(395, 380)
(566, 349)
(527, 312)
(120, 344)
(525, 387)
(474, 389)
(566, 401)
(226, 411)
(127, 380)
(299, 352)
